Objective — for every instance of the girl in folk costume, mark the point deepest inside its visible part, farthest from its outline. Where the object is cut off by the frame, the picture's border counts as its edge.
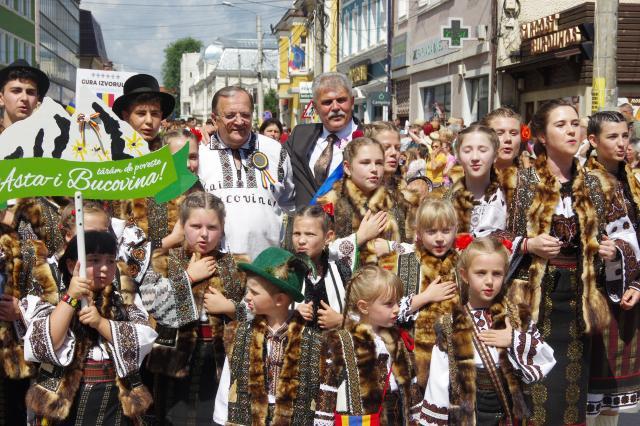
(507, 125)
(557, 215)
(360, 195)
(366, 368)
(191, 292)
(89, 357)
(323, 287)
(487, 347)
(477, 197)
(614, 384)
(428, 278)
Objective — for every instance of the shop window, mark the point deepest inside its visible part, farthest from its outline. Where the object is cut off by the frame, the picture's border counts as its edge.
(436, 100)
(3, 48)
(478, 93)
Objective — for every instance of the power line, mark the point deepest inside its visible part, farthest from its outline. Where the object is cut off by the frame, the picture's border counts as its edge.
(264, 3)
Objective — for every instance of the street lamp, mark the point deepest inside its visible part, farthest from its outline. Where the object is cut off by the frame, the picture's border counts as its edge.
(260, 96)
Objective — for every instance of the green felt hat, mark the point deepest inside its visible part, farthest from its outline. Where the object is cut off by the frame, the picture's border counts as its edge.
(281, 268)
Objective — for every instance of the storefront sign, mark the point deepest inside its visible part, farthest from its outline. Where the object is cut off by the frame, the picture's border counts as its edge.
(107, 85)
(545, 36)
(359, 74)
(306, 94)
(455, 33)
(430, 49)
(399, 55)
(380, 98)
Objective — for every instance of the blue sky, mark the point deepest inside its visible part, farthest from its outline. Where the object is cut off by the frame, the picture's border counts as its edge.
(137, 31)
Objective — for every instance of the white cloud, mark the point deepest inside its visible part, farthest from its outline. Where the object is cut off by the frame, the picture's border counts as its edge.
(136, 36)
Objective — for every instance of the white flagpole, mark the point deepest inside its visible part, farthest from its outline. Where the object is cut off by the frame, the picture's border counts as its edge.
(82, 255)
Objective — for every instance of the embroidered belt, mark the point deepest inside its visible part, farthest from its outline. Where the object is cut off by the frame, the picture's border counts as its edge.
(483, 380)
(564, 262)
(98, 372)
(205, 332)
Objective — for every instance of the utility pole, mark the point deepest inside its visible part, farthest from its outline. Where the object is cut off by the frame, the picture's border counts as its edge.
(260, 88)
(386, 113)
(318, 31)
(239, 69)
(605, 81)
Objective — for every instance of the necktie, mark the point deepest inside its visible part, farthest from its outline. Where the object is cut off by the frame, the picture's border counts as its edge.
(321, 168)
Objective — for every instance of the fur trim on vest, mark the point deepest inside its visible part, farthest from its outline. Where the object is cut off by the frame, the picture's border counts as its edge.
(424, 334)
(463, 201)
(25, 263)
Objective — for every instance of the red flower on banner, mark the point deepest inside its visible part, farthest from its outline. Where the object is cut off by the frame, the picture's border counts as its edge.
(508, 244)
(328, 208)
(463, 241)
(357, 134)
(525, 133)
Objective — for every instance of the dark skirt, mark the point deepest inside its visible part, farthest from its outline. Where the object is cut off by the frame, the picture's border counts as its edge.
(95, 404)
(189, 401)
(13, 410)
(615, 364)
(561, 398)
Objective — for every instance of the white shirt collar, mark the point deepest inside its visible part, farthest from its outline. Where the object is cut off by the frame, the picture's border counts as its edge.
(342, 134)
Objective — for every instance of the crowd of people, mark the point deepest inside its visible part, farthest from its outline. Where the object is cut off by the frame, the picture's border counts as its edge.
(345, 273)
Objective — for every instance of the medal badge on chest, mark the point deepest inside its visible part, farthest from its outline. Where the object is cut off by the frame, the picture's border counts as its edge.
(261, 162)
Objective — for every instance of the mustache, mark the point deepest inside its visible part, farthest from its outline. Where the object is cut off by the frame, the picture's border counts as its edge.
(337, 114)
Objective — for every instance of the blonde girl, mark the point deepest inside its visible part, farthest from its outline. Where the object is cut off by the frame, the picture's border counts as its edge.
(487, 348)
(380, 379)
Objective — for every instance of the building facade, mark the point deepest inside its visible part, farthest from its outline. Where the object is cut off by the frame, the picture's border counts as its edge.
(308, 45)
(17, 31)
(441, 59)
(547, 48)
(236, 64)
(92, 53)
(59, 46)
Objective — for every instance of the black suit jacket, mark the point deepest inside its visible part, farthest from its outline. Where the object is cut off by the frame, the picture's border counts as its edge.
(299, 145)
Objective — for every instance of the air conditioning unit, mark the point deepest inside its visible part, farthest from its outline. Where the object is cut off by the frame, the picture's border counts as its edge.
(462, 70)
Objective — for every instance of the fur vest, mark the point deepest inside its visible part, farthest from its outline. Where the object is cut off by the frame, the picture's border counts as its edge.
(455, 337)
(172, 359)
(156, 220)
(372, 369)
(424, 328)
(38, 218)
(351, 205)
(27, 272)
(296, 387)
(55, 400)
(532, 195)
(463, 201)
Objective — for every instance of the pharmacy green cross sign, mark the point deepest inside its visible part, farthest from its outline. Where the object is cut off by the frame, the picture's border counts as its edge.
(455, 32)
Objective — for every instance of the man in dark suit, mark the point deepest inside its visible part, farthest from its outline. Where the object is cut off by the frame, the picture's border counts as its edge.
(316, 149)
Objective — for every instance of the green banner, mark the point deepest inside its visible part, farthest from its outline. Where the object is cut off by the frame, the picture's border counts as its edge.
(157, 174)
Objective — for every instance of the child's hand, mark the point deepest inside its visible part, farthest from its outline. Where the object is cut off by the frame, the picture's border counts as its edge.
(607, 249)
(202, 269)
(498, 338)
(328, 318)
(90, 316)
(544, 246)
(215, 302)
(381, 247)
(371, 226)
(9, 310)
(175, 238)
(630, 298)
(306, 310)
(438, 291)
(79, 288)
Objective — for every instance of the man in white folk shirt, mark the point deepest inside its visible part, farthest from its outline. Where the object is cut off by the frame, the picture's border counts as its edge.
(251, 174)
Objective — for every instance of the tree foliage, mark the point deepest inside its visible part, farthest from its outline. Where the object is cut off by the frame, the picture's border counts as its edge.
(172, 56)
(271, 102)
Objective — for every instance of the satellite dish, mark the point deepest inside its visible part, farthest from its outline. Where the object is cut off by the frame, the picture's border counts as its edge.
(212, 53)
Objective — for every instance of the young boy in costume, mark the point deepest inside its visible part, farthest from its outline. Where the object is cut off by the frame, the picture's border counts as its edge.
(270, 375)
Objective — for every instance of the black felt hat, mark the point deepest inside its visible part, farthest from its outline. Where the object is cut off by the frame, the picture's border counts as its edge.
(139, 84)
(41, 79)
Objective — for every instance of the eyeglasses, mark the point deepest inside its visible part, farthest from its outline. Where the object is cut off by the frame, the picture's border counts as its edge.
(245, 117)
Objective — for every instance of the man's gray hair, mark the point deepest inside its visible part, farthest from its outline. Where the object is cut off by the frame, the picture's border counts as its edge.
(330, 79)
